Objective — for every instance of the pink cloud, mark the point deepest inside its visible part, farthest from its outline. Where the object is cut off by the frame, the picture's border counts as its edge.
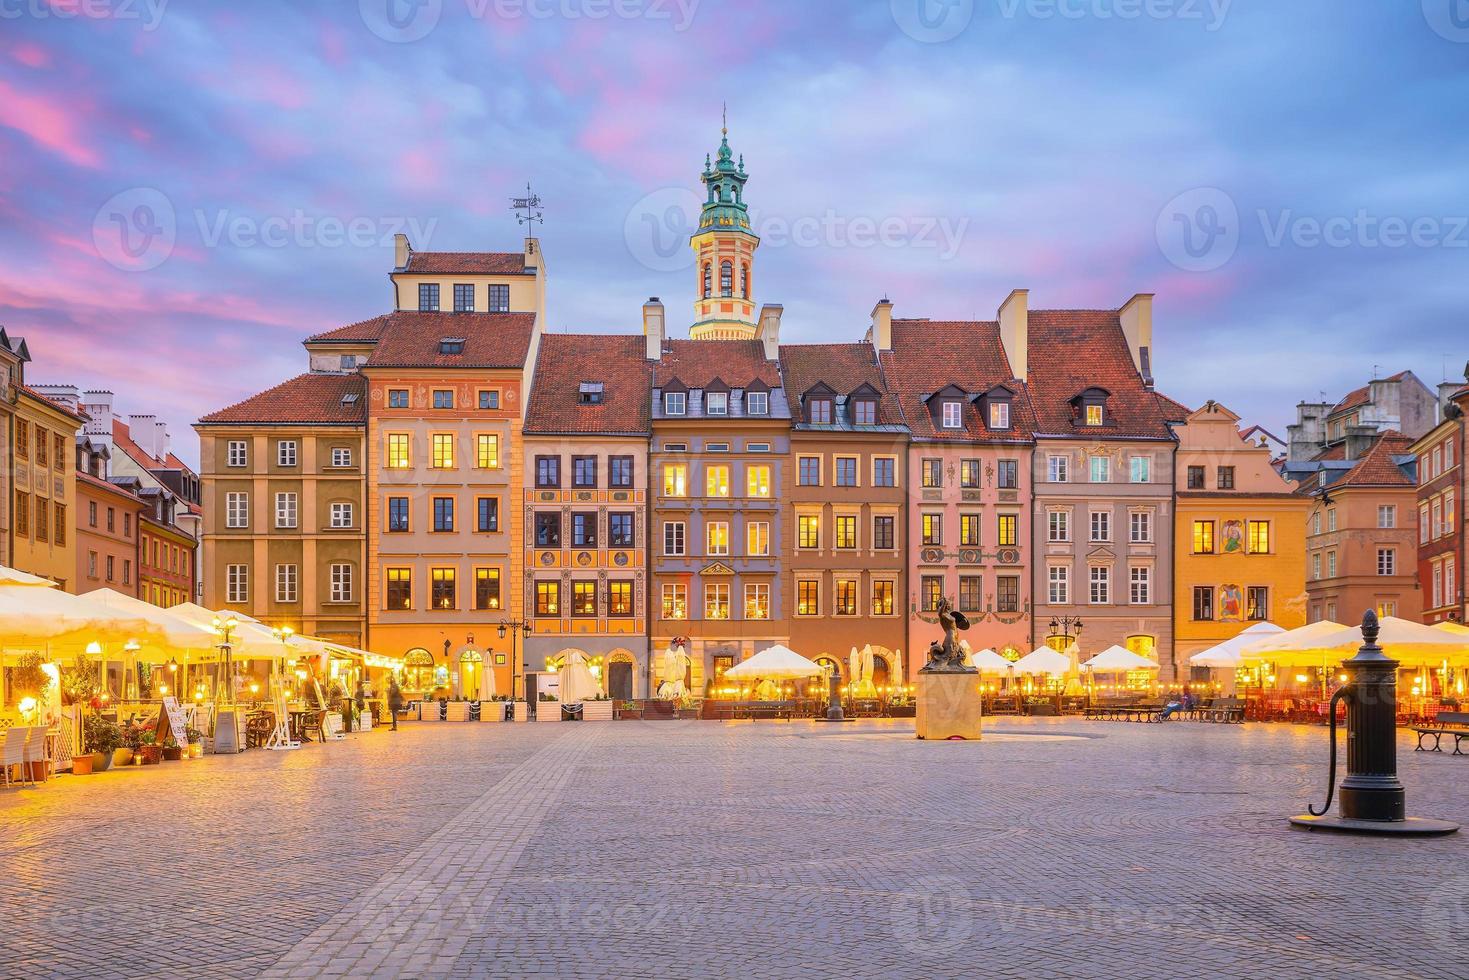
(31, 55)
(46, 122)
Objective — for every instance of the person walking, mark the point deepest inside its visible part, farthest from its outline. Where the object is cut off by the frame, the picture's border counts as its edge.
(395, 700)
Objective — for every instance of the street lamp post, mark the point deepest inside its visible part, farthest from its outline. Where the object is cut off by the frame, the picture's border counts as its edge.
(515, 627)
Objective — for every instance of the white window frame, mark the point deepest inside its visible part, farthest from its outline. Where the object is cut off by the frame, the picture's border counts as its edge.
(237, 509)
(757, 532)
(1058, 585)
(1058, 526)
(1387, 562)
(672, 399)
(1058, 469)
(1100, 526)
(343, 515)
(999, 415)
(1106, 466)
(952, 415)
(341, 582)
(1099, 583)
(237, 584)
(1140, 585)
(709, 544)
(755, 590)
(716, 403)
(287, 583)
(238, 453)
(1140, 466)
(286, 453)
(341, 456)
(287, 510)
(757, 403)
(1140, 527)
(674, 594)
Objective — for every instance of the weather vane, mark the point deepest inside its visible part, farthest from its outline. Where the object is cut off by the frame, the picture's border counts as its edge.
(531, 205)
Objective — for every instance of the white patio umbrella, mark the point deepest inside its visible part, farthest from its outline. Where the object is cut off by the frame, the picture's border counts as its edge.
(777, 663)
(989, 662)
(577, 682)
(1043, 660)
(34, 616)
(1286, 648)
(15, 577)
(166, 629)
(1410, 644)
(1116, 659)
(1226, 655)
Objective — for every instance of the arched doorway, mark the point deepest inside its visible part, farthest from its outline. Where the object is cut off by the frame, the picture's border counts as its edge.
(471, 673)
(418, 671)
(620, 667)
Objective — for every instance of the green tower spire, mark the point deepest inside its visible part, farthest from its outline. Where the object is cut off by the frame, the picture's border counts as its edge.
(724, 180)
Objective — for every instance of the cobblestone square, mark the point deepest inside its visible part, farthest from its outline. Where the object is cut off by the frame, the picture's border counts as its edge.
(1055, 848)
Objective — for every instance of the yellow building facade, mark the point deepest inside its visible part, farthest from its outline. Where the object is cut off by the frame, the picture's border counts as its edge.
(43, 466)
(1239, 529)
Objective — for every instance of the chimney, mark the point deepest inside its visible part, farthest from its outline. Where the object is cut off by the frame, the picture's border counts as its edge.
(1360, 439)
(143, 431)
(882, 325)
(401, 251)
(770, 329)
(1446, 391)
(162, 443)
(653, 327)
(532, 253)
(1015, 331)
(1137, 326)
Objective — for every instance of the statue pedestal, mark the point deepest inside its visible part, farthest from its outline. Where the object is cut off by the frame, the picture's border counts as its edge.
(949, 705)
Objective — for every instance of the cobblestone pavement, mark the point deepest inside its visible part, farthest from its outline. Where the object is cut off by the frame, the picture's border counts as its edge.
(1055, 848)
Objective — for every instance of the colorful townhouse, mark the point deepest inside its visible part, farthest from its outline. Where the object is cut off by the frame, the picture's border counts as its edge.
(1362, 536)
(968, 479)
(1238, 525)
(847, 570)
(586, 505)
(285, 518)
(43, 472)
(1441, 492)
(1103, 477)
(108, 520)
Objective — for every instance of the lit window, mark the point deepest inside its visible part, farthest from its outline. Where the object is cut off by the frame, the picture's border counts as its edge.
(969, 530)
(716, 481)
(846, 597)
(1203, 537)
(1259, 537)
(619, 598)
(846, 531)
(757, 539)
(882, 598)
(548, 598)
(953, 415)
(808, 531)
(808, 597)
(675, 480)
(933, 529)
(999, 415)
(1009, 531)
(583, 599)
(443, 457)
(757, 600)
(757, 480)
(398, 455)
(487, 451)
(675, 601)
(717, 537)
(1094, 415)
(487, 588)
(716, 600)
(930, 592)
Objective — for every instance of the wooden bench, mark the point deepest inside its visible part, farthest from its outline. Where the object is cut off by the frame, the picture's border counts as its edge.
(1228, 711)
(1110, 710)
(1148, 713)
(1441, 728)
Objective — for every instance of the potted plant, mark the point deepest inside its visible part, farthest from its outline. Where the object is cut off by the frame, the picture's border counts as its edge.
(598, 708)
(548, 709)
(81, 681)
(126, 753)
(195, 738)
(172, 750)
(149, 751)
(688, 708)
(629, 710)
(102, 738)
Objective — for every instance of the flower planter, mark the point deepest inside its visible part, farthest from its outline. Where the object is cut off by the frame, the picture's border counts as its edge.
(548, 711)
(101, 761)
(522, 711)
(173, 753)
(38, 772)
(196, 750)
(151, 754)
(596, 711)
(492, 711)
(122, 757)
(81, 765)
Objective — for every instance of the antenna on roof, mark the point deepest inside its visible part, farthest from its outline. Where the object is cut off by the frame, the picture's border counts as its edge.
(1376, 370)
(530, 204)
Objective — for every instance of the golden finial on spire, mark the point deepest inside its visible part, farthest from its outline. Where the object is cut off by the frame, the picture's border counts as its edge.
(725, 130)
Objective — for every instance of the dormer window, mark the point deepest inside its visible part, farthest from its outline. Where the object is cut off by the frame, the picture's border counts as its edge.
(757, 403)
(451, 346)
(953, 415)
(1095, 414)
(716, 403)
(864, 411)
(674, 403)
(350, 399)
(819, 411)
(590, 393)
(999, 415)
(1089, 408)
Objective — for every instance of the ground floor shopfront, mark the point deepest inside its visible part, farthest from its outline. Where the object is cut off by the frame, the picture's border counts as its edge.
(708, 659)
(620, 663)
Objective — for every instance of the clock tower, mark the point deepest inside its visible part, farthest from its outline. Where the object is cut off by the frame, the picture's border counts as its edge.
(724, 251)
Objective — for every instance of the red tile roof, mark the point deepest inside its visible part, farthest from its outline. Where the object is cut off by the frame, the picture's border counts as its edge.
(698, 362)
(566, 361)
(1173, 410)
(930, 355)
(845, 367)
(468, 263)
(122, 438)
(1073, 350)
(1377, 468)
(366, 332)
(410, 339)
(1359, 396)
(308, 399)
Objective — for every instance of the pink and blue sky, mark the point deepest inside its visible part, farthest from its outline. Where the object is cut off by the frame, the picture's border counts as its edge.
(188, 189)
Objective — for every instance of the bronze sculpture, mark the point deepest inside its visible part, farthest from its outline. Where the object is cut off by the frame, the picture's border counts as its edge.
(946, 657)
